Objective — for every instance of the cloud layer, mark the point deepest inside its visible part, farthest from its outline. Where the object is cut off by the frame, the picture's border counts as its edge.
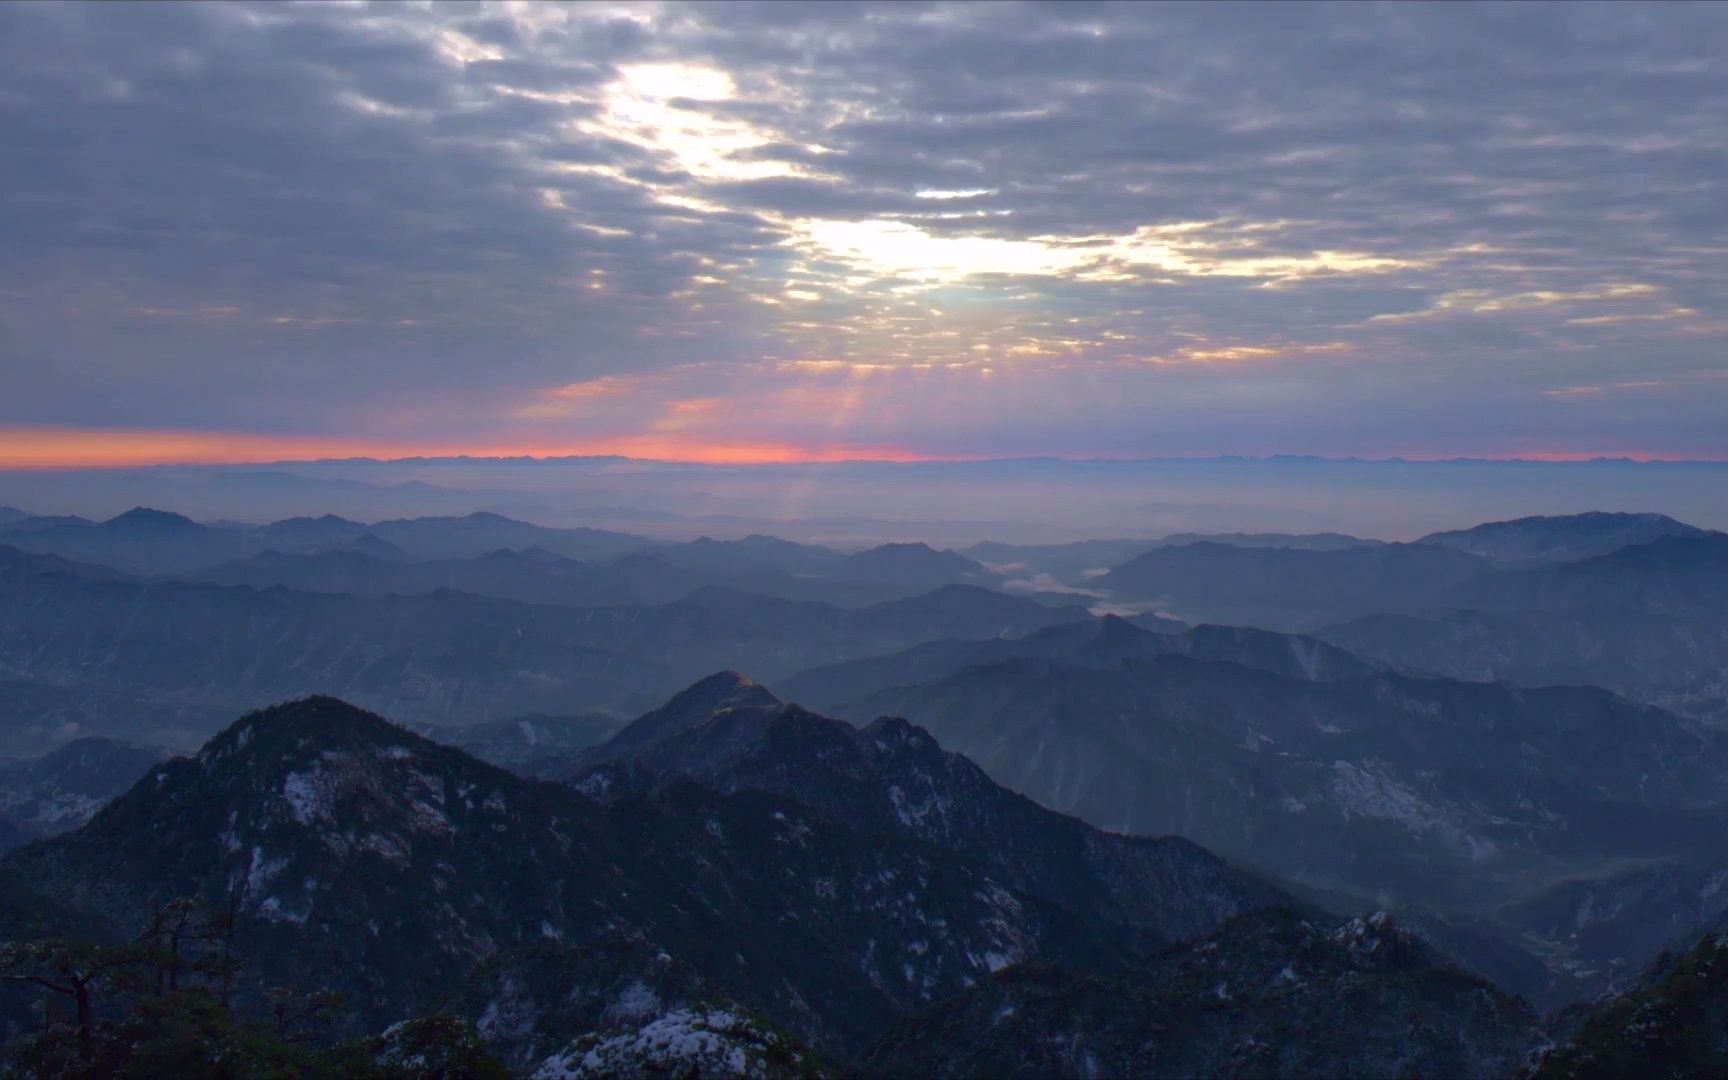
(749, 230)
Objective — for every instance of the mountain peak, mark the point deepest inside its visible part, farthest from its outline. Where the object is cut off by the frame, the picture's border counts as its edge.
(329, 723)
(374, 545)
(1376, 942)
(1115, 630)
(1562, 537)
(724, 686)
(721, 690)
(910, 547)
(898, 733)
(144, 517)
(893, 778)
(914, 561)
(688, 709)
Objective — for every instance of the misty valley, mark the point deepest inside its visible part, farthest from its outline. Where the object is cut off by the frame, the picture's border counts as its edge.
(467, 795)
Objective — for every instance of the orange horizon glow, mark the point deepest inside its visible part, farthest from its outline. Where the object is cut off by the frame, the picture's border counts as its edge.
(44, 449)
(30, 449)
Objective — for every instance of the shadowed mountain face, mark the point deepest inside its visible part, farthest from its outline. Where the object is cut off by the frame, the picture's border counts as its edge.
(404, 872)
(62, 789)
(914, 563)
(444, 656)
(1102, 643)
(1671, 1023)
(1649, 621)
(147, 541)
(476, 534)
(1587, 561)
(1674, 577)
(892, 778)
(1288, 589)
(531, 576)
(1560, 539)
(535, 575)
(1271, 993)
(489, 555)
(1479, 801)
(841, 882)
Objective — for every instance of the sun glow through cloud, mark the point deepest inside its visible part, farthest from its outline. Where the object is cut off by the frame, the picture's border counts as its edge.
(909, 230)
(890, 248)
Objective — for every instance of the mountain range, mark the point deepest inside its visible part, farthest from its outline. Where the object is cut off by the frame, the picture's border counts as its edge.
(1484, 803)
(1104, 642)
(442, 656)
(149, 541)
(1288, 588)
(1311, 805)
(849, 903)
(1530, 540)
(658, 576)
(1649, 621)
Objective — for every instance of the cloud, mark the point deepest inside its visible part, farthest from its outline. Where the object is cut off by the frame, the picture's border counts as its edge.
(1113, 229)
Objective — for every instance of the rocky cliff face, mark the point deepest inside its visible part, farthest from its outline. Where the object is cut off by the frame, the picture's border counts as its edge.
(892, 779)
(1271, 993)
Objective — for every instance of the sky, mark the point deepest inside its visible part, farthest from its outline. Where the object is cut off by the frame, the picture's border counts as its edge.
(756, 232)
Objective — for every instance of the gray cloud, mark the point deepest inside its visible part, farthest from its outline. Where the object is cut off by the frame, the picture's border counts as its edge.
(1123, 229)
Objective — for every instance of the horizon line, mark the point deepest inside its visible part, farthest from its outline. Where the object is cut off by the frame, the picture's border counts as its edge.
(1552, 458)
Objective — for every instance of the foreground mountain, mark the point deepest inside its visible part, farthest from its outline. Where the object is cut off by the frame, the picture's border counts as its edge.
(754, 880)
(1671, 1024)
(1485, 803)
(64, 788)
(364, 859)
(1270, 993)
(686, 1042)
(1286, 588)
(1560, 539)
(893, 779)
(361, 858)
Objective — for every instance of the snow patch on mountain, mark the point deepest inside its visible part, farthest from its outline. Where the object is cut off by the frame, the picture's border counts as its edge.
(706, 1042)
